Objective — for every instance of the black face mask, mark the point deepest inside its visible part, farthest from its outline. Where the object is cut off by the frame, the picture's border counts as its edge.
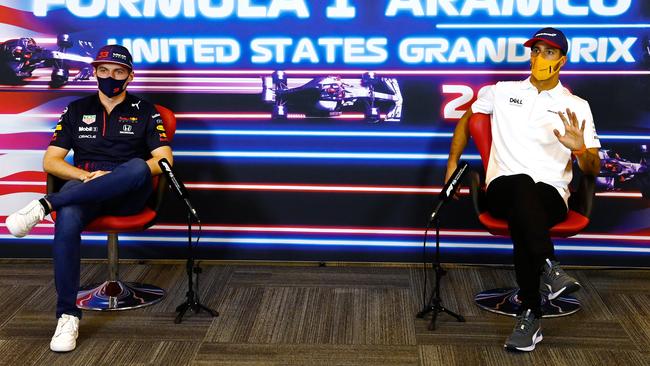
(111, 87)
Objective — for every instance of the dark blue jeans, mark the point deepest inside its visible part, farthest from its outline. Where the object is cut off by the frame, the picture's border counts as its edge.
(124, 191)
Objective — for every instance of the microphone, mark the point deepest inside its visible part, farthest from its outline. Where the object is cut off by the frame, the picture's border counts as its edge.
(177, 186)
(450, 188)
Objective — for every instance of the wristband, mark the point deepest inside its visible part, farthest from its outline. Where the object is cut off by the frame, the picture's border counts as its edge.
(579, 152)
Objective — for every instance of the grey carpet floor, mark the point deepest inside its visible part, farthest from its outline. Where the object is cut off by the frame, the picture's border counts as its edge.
(310, 315)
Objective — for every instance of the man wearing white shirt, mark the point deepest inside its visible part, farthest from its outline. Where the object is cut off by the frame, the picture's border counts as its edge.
(537, 125)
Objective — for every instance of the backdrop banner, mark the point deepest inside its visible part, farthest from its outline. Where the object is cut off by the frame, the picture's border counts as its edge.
(319, 130)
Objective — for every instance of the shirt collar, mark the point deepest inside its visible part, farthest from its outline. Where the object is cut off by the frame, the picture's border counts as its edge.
(526, 84)
(556, 92)
(129, 99)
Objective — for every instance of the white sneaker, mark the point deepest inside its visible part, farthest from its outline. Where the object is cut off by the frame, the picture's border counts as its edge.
(65, 336)
(21, 222)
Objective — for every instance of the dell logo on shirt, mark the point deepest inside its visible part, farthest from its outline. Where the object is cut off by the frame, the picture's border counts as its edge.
(516, 101)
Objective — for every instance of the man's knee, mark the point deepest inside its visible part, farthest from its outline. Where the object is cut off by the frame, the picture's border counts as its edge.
(138, 166)
(137, 172)
(523, 180)
(522, 185)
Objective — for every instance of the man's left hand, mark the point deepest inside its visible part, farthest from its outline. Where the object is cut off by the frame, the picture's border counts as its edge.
(95, 174)
(573, 138)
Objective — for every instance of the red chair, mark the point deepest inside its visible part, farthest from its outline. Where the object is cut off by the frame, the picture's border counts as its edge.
(114, 294)
(504, 300)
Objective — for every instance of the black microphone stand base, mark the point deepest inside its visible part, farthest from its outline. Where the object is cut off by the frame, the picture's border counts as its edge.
(434, 305)
(194, 305)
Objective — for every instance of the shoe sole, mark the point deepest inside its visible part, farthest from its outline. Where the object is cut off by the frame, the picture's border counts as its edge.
(536, 339)
(564, 290)
(63, 350)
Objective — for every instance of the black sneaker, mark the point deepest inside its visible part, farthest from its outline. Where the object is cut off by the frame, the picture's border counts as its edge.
(557, 281)
(527, 333)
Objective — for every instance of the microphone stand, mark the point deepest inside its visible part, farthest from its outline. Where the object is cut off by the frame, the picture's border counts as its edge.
(434, 305)
(192, 302)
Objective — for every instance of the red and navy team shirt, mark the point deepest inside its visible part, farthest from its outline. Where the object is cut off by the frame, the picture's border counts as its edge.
(101, 141)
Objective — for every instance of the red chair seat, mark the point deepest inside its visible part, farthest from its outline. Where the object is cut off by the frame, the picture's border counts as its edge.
(119, 224)
(573, 224)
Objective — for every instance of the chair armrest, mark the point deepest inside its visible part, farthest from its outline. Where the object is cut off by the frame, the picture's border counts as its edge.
(478, 196)
(54, 183)
(582, 199)
(157, 196)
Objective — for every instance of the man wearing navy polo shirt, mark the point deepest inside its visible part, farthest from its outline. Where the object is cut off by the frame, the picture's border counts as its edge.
(537, 125)
(117, 140)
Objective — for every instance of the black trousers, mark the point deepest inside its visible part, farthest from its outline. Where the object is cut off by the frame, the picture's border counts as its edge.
(531, 209)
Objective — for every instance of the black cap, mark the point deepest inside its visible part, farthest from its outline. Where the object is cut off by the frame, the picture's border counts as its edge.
(552, 36)
(114, 54)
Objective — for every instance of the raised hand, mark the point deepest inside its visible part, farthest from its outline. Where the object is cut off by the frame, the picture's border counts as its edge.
(573, 138)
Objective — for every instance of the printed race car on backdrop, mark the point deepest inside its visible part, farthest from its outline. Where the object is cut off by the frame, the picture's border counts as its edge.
(20, 57)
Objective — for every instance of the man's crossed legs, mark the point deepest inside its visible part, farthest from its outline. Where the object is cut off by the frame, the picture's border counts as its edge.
(531, 209)
(124, 191)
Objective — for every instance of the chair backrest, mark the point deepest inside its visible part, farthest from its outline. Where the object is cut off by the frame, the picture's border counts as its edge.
(169, 121)
(480, 128)
(160, 181)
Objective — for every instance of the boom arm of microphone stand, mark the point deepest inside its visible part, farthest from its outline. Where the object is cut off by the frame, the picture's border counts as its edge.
(192, 210)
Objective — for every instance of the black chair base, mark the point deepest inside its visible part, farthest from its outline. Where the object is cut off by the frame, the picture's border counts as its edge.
(118, 295)
(504, 301)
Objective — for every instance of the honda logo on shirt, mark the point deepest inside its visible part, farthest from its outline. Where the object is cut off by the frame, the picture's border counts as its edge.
(127, 130)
